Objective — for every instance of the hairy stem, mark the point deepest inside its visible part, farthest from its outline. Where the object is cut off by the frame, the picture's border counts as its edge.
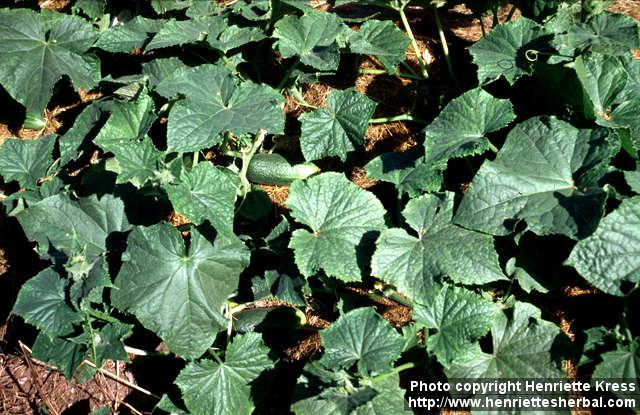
(445, 48)
(369, 71)
(511, 13)
(401, 117)
(397, 369)
(247, 155)
(414, 42)
(484, 31)
(287, 75)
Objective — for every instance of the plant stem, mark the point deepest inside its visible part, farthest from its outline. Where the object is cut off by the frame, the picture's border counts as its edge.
(414, 42)
(445, 48)
(410, 69)
(101, 316)
(484, 31)
(287, 75)
(369, 71)
(247, 155)
(401, 117)
(196, 155)
(511, 13)
(493, 148)
(397, 369)
(233, 153)
(139, 352)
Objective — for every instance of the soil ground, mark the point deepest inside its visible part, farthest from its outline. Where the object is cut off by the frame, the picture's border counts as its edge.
(27, 386)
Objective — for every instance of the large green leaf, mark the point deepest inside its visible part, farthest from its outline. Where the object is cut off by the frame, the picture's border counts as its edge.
(64, 354)
(610, 258)
(79, 137)
(337, 129)
(460, 129)
(620, 364)
(61, 225)
(178, 291)
(179, 32)
(503, 52)
(612, 34)
(344, 220)
(522, 348)
(138, 162)
(546, 174)
(361, 337)
(460, 317)
(124, 37)
(407, 170)
(38, 49)
(633, 180)
(42, 302)
(128, 121)
(382, 39)
(215, 101)
(211, 387)
(234, 36)
(321, 391)
(612, 84)
(26, 160)
(415, 264)
(205, 193)
(312, 37)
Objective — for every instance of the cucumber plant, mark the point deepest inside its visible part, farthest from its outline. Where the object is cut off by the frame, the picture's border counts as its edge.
(519, 179)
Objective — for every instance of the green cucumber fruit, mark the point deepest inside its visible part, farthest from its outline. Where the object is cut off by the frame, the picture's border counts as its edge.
(34, 122)
(275, 169)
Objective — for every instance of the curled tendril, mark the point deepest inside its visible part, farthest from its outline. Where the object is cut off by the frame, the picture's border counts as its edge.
(531, 55)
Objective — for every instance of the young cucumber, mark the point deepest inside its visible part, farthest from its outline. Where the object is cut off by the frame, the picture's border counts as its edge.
(276, 170)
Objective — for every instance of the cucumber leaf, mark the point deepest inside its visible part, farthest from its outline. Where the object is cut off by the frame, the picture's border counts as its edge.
(138, 162)
(180, 32)
(546, 174)
(344, 220)
(130, 35)
(460, 129)
(361, 337)
(42, 303)
(610, 258)
(407, 170)
(607, 33)
(227, 384)
(337, 129)
(312, 37)
(415, 264)
(26, 161)
(38, 49)
(503, 51)
(215, 101)
(205, 193)
(66, 355)
(522, 348)
(623, 363)
(633, 180)
(176, 290)
(128, 121)
(612, 84)
(460, 317)
(317, 392)
(64, 228)
(382, 39)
